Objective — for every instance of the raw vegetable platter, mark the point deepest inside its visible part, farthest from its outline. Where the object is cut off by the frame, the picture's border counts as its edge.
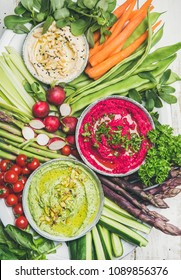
(11, 39)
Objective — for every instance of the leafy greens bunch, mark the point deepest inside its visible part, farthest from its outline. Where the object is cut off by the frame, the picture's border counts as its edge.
(83, 16)
(17, 244)
(164, 153)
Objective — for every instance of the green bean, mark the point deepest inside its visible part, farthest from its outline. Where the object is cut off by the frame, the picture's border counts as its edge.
(162, 53)
(142, 28)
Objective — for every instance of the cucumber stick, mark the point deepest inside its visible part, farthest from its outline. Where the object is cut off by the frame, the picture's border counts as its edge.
(84, 247)
(117, 246)
(105, 236)
(98, 244)
(72, 245)
(124, 232)
(125, 221)
(110, 204)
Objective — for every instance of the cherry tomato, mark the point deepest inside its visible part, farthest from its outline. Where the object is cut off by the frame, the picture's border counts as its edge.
(4, 192)
(5, 164)
(19, 196)
(18, 209)
(26, 171)
(34, 164)
(16, 168)
(23, 179)
(21, 160)
(66, 150)
(11, 200)
(10, 177)
(18, 186)
(21, 222)
(1, 178)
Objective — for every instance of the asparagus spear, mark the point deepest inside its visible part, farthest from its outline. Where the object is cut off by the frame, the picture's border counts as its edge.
(156, 201)
(138, 213)
(141, 206)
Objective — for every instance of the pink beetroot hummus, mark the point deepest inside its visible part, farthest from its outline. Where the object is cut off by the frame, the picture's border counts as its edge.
(112, 136)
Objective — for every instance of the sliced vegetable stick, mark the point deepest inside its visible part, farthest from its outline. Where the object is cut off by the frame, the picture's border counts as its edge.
(118, 12)
(119, 40)
(103, 67)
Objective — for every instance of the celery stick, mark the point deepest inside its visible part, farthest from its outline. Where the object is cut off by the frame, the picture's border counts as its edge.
(13, 67)
(27, 99)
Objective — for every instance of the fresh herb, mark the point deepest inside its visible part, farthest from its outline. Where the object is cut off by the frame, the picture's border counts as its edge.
(164, 153)
(83, 16)
(17, 244)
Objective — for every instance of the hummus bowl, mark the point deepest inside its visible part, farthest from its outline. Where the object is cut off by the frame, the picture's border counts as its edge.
(111, 136)
(56, 56)
(63, 199)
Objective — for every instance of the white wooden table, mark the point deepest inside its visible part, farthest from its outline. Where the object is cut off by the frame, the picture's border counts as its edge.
(161, 246)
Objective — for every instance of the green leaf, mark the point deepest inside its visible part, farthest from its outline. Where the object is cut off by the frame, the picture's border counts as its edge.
(102, 4)
(27, 87)
(19, 10)
(167, 89)
(39, 17)
(111, 5)
(150, 104)
(147, 76)
(80, 3)
(62, 23)
(165, 77)
(170, 99)
(158, 102)
(90, 4)
(28, 4)
(6, 254)
(20, 29)
(47, 23)
(90, 37)
(79, 26)
(135, 95)
(61, 13)
(57, 4)
(43, 245)
(45, 5)
(11, 21)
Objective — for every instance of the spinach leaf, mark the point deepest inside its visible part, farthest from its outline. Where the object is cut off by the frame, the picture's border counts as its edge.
(43, 245)
(90, 4)
(111, 5)
(61, 13)
(20, 29)
(23, 238)
(19, 10)
(57, 4)
(28, 4)
(11, 21)
(47, 23)
(79, 26)
(6, 254)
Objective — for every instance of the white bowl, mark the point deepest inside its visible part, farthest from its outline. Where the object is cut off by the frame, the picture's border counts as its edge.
(37, 71)
(33, 185)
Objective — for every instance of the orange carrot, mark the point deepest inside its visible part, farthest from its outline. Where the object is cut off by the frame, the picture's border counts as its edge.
(110, 62)
(134, 13)
(119, 40)
(120, 10)
(121, 22)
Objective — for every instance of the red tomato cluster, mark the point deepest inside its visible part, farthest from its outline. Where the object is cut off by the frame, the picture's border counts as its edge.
(13, 176)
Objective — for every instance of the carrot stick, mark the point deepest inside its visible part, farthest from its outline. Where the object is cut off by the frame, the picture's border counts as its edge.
(110, 62)
(120, 10)
(134, 13)
(119, 40)
(121, 22)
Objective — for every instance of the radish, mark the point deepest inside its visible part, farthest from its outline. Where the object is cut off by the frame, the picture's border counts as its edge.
(56, 95)
(52, 123)
(56, 143)
(40, 109)
(69, 124)
(28, 133)
(37, 124)
(71, 140)
(65, 109)
(42, 139)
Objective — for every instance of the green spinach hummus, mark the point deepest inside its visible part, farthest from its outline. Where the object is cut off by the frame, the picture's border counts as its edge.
(63, 198)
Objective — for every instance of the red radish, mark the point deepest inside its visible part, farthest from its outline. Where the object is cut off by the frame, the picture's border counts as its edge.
(71, 139)
(28, 133)
(69, 124)
(56, 95)
(52, 123)
(65, 109)
(75, 153)
(42, 139)
(56, 143)
(40, 109)
(37, 124)
(66, 150)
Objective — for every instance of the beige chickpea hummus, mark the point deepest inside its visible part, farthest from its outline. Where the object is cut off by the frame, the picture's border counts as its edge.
(55, 56)
(63, 198)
